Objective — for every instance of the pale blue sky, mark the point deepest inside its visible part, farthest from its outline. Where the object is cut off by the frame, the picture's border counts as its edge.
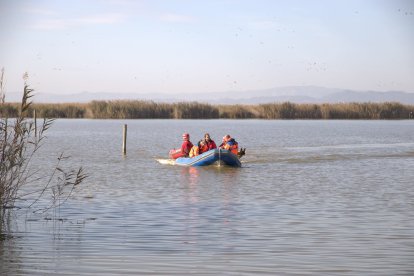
(183, 46)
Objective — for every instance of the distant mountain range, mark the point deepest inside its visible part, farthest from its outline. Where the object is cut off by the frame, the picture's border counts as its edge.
(295, 94)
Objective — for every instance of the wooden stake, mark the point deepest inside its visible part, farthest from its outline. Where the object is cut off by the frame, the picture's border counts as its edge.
(124, 139)
(35, 123)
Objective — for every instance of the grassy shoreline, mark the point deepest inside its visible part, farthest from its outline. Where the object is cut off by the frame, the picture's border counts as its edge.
(138, 109)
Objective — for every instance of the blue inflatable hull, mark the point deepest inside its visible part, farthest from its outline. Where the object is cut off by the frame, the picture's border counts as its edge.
(210, 157)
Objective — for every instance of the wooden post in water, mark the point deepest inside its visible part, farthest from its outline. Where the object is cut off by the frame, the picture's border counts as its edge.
(35, 123)
(124, 138)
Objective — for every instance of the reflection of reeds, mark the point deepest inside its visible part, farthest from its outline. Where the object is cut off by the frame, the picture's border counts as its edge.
(134, 109)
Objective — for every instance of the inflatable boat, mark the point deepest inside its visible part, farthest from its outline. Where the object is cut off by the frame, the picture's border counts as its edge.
(219, 156)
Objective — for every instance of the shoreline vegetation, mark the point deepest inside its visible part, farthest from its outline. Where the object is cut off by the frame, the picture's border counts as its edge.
(20, 140)
(139, 109)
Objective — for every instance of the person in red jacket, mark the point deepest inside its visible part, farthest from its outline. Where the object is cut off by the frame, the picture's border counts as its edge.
(186, 145)
(210, 143)
(230, 144)
(198, 149)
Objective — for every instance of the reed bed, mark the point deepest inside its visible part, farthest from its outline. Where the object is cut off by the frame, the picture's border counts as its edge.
(137, 109)
(20, 140)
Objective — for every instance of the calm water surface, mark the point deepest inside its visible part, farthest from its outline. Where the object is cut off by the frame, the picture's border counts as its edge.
(312, 198)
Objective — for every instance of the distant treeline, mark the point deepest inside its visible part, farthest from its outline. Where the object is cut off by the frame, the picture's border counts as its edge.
(130, 109)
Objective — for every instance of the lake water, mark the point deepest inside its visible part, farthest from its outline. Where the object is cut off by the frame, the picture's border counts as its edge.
(311, 198)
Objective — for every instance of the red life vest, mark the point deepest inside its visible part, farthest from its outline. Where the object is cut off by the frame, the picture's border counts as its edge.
(232, 146)
(203, 149)
(211, 145)
(196, 150)
(186, 147)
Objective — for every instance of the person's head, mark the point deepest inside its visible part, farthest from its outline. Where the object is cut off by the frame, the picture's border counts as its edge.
(201, 143)
(207, 137)
(186, 136)
(226, 138)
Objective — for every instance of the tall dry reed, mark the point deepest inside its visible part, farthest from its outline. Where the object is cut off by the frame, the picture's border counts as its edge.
(19, 142)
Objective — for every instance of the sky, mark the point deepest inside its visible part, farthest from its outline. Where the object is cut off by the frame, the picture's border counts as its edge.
(198, 46)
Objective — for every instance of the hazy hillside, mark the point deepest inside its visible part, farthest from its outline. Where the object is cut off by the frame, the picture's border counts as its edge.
(295, 94)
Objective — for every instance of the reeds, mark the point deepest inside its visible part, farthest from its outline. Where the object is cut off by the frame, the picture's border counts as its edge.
(19, 142)
(138, 109)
